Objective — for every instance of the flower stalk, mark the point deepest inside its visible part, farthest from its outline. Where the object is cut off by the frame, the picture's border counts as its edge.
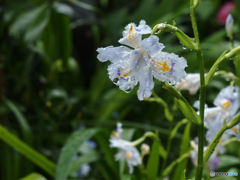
(202, 91)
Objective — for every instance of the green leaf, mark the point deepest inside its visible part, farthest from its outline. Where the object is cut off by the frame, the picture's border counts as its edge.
(183, 175)
(184, 149)
(228, 161)
(84, 159)
(102, 139)
(36, 27)
(70, 149)
(153, 161)
(63, 9)
(85, 5)
(174, 131)
(26, 130)
(25, 19)
(27, 151)
(34, 176)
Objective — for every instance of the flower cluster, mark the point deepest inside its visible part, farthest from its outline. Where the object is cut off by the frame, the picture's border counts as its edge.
(226, 107)
(127, 151)
(141, 62)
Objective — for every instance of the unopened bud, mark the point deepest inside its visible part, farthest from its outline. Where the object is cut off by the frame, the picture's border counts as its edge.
(229, 26)
(145, 149)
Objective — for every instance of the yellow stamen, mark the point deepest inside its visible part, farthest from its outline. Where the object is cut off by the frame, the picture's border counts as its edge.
(226, 104)
(235, 129)
(219, 142)
(163, 66)
(115, 134)
(131, 37)
(128, 155)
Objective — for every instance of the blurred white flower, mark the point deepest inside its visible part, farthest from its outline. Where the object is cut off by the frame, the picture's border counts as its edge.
(127, 151)
(190, 83)
(212, 162)
(118, 133)
(131, 155)
(145, 149)
(227, 104)
(229, 25)
(143, 61)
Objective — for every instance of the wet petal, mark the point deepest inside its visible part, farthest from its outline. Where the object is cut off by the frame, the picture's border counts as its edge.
(228, 100)
(151, 45)
(125, 80)
(113, 54)
(132, 35)
(168, 67)
(146, 83)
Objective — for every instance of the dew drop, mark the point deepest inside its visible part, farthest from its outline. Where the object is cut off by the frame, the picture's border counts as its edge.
(115, 80)
(128, 89)
(184, 47)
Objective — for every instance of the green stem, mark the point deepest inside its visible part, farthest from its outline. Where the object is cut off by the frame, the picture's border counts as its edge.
(170, 167)
(141, 139)
(202, 94)
(168, 146)
(27, 151)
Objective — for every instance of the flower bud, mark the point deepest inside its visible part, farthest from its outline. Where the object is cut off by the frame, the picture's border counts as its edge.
(145, 149)
(229, 26)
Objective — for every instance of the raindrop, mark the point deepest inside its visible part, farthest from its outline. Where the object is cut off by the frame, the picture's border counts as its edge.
(194, 39)
(115, 80)
(128, 89)
(184, 47)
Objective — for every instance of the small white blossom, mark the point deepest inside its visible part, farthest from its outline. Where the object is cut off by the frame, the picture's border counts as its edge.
(226, 105)
(190, 83)
(127, 151)
(143, 61)
(118, 133)
(145, 149)
(229, 25)
(131, 155)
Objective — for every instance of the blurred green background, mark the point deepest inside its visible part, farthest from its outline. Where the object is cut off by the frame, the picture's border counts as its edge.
(52, 84)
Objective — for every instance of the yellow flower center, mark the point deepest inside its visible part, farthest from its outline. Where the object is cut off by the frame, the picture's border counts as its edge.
(115, 134)
(226, 104)
(235, 129)
(128, 155)
(162, 66)
(132, 38)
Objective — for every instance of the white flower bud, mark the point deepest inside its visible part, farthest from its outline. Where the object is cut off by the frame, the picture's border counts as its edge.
(229, 25)
(145, 149)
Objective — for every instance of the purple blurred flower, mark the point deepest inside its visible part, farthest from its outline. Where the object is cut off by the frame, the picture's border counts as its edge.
(224, 11)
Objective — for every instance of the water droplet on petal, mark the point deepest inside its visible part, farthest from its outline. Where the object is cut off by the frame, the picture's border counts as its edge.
(128, 89)
(115, 80)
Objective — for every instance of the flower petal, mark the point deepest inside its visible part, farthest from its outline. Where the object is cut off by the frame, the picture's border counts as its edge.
(132, 35)
(151, 45)
(228, 100)
(146, 83)
(113, 54)
(168, 67)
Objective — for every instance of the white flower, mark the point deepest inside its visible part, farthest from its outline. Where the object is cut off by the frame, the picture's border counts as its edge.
(140, 64)
(127, 151)
(227, 104)
(131, 155)
(118, 133)
(229, 25)
(212, 161)
(191, 83)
